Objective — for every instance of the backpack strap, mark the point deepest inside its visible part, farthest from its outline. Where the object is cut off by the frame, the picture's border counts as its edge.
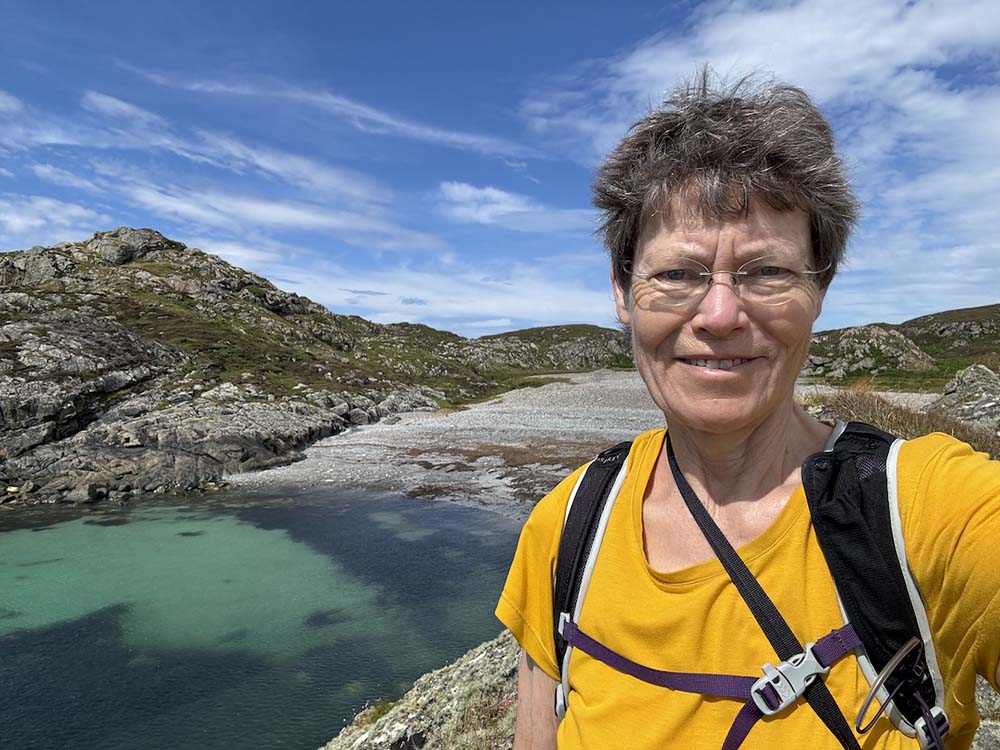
(779, 634)
(851, 491)
(586, 519)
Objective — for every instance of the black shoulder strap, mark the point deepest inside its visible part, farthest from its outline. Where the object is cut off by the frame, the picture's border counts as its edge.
(847, 491)
(578, 532)
(775, 627)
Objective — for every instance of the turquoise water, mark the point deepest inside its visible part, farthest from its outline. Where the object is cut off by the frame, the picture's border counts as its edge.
(251, 620)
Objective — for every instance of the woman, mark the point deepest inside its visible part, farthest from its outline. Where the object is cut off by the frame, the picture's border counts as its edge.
(726, 217)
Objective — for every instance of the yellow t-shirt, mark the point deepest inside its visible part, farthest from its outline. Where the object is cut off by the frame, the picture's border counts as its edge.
(694, 620)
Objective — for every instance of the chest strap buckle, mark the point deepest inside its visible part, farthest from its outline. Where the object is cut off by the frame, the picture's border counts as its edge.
(782, 685)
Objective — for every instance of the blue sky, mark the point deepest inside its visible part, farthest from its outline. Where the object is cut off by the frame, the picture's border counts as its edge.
(431, 161)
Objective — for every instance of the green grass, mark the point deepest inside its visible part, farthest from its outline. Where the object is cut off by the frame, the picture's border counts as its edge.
(930, 381)
(373, 712)
(220, 347)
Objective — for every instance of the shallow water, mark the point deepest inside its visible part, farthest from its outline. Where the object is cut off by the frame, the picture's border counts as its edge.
(249, 620)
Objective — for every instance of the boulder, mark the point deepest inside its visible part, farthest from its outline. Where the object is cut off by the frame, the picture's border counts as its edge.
(124, 245)
(973, 395)
(358, 416)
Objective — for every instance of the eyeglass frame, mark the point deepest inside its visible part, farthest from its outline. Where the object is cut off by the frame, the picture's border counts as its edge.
(734, 275)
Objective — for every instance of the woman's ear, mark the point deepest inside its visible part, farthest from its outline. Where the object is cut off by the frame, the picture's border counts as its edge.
(621, 302)
(819, 304)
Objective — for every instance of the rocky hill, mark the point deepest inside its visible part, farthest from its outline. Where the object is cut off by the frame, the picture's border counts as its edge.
(131, 363)
(920, 354)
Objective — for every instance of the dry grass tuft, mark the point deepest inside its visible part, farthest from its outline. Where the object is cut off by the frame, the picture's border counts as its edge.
(484, 722)
(990, 359)
(861, 405)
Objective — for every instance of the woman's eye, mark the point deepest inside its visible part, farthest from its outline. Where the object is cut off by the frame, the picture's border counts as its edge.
(769, 271)
(676, 274)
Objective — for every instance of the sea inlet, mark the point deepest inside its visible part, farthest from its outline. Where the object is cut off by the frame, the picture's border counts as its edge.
(248, 619)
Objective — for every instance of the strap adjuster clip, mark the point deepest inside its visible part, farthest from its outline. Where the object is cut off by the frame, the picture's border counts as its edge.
(789, 680)
(925, 735)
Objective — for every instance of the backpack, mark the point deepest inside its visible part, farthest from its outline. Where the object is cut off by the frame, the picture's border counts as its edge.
(850, 488)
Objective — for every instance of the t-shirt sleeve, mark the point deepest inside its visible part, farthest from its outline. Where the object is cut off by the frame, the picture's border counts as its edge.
(950, 506)
(525, 605)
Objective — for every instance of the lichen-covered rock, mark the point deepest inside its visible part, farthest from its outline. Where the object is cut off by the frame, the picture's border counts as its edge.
(467, 705)
(871, 348)
(973, 395)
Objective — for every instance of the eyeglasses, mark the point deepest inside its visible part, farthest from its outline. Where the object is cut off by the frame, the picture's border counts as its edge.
(768, 280)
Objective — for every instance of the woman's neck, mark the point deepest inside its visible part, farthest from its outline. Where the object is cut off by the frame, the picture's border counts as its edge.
(750, 463)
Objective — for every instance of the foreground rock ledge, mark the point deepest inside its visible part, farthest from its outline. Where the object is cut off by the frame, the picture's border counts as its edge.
(468, 704)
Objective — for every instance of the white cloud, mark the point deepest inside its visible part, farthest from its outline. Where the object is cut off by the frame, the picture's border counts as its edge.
(467, 203)
(360, 116)
(9, 103)
(292, 168)
(495, 324)
(5, 172)
(235, 213)
(27, 220)
(59, 176)
(514, 293)
(913, 93)
(242, 254)
(116, 109)
(836, 49)
(134, 129)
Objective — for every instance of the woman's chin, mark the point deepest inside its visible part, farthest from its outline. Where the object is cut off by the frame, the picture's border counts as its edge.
(720, 416)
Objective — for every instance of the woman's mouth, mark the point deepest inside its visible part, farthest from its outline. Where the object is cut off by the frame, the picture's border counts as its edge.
(715, 364)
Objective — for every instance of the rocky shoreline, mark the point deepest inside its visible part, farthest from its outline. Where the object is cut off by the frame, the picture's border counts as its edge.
(501, 455)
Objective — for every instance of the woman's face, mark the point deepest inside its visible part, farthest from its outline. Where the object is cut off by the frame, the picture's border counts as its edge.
(722, 362)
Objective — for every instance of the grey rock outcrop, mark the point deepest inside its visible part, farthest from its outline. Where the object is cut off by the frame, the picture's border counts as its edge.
(468, 704)
(872, 348)
(973, 395)
(953, 335)
(565, 348)
(97, 402)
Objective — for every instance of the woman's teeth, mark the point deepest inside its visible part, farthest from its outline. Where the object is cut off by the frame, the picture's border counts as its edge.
(716, 364)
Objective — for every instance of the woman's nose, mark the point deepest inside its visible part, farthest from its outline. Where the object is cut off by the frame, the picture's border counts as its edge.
(721, 311)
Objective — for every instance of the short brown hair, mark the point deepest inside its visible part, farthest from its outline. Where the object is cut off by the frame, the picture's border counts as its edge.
(725, 145)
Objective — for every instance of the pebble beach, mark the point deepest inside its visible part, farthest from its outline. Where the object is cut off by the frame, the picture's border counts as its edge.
(502, 454)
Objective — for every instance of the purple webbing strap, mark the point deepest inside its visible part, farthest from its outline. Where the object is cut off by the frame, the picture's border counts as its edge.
(835, 645)
(724, 685)
(745, 720)
(827, 650)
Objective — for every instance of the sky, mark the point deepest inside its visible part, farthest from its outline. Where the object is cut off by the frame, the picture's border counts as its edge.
(431, 162)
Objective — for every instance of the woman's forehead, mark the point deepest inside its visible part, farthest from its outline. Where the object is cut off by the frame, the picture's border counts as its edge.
(689, 231)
